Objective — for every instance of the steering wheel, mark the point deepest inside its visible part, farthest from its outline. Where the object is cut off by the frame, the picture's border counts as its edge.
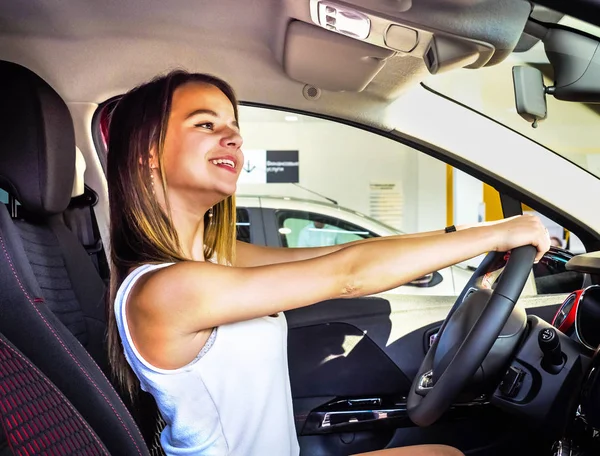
(451, 363)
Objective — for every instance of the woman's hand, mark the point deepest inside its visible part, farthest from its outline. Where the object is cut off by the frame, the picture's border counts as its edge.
(521, 230)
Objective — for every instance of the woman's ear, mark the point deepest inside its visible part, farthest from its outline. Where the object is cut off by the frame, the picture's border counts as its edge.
(152, 160)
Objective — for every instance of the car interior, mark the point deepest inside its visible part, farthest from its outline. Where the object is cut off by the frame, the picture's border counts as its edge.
(480, 371)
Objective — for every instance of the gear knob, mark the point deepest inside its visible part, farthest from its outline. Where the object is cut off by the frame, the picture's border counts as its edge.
(550, 346)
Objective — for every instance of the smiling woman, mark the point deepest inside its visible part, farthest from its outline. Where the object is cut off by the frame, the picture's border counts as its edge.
(203, 319)
(201, 328)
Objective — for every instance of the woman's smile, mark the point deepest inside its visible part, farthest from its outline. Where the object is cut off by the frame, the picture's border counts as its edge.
(226, 162)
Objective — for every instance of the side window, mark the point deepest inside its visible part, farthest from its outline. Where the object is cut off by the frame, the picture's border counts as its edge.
(309, 229)
(3, 197)
(242, 225)
(392, 187)
(551, 275)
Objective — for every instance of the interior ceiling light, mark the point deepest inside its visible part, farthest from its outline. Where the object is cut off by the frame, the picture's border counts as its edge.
(291, 118)
(341, 19)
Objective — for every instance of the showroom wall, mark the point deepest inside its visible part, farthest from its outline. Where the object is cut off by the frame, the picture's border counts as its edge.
(342, 162)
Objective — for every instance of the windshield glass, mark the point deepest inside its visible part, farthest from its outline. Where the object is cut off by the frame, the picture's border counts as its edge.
(570, 129)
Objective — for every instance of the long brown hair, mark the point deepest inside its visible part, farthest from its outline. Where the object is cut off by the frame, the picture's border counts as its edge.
(141, 231)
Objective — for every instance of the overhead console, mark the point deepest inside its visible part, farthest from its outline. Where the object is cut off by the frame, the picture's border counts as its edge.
(346, 46)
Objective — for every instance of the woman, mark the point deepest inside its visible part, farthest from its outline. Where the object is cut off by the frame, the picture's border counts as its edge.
(197, 318)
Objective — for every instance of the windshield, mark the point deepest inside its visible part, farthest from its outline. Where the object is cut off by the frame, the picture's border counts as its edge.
(568, 130)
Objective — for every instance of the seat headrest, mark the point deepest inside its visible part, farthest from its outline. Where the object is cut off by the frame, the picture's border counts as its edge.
(37, 142)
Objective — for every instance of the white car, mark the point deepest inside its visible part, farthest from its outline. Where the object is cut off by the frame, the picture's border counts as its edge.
(279, 221)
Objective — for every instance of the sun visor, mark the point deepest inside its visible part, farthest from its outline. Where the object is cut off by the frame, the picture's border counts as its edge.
(331, 61)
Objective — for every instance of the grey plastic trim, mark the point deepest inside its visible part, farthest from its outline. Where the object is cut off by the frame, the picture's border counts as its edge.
(329, 60)
(587, 263)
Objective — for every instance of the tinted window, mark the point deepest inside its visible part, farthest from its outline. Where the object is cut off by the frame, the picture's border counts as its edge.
(309, 229)
(243, 225)
(551, 275)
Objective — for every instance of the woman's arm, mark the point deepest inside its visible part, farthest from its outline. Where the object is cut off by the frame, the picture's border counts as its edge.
(192, 296)
(249, 255)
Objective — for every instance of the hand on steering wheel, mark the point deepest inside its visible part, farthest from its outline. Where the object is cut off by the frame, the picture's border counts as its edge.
(441, 378)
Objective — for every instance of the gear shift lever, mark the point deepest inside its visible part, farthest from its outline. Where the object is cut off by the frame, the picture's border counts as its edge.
(550, 346)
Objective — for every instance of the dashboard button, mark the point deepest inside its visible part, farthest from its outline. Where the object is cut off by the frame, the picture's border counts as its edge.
(512, 381)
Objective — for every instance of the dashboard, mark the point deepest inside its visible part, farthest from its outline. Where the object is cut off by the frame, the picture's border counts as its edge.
(564, 320)
(579, 315)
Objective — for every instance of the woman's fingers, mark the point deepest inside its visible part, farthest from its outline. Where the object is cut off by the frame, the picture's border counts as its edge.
(523, 230)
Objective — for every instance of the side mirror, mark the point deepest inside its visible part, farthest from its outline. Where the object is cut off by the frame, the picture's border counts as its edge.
(428, 280)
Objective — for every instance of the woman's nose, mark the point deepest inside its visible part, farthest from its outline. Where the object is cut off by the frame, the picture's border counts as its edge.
(232, 139)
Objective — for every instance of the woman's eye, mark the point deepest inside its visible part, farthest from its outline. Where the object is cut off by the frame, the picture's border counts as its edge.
(207, 125)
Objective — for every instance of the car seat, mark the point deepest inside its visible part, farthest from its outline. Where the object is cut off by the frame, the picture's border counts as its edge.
(51, 296)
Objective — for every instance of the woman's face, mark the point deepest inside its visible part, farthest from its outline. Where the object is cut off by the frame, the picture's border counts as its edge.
(202, 156)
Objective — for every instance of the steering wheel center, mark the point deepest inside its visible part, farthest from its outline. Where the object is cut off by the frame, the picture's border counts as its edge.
(485, 319)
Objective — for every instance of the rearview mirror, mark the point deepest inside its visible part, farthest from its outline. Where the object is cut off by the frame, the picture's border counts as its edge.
(530, 94)
(575, 63)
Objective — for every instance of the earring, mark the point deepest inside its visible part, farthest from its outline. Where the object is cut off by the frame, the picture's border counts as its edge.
(152, 182)
(210, 213)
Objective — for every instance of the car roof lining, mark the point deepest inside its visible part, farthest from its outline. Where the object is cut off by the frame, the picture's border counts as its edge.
(90, 51)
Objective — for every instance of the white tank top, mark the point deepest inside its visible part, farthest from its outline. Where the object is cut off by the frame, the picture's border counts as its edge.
(233, 399)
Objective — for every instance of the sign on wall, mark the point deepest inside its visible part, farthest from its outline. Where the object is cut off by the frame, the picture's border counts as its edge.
(386, 203)
(270, 166)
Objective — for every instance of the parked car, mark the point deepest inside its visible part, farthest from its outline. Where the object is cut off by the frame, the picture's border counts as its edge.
(279, 221)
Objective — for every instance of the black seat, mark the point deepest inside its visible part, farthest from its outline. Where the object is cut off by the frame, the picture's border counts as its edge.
(51, 295)
(36, 416)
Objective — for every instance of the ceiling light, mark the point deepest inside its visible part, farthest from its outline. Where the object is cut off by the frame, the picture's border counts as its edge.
(340, 18)
(291, 118)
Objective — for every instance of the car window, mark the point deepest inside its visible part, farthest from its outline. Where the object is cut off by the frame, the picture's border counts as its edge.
(243, 225)
(309, 229)
(3, 197)
(374, 185)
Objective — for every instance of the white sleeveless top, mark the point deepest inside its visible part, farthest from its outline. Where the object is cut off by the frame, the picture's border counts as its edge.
(233, 399)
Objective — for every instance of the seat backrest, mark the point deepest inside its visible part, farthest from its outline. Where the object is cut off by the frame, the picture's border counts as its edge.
(51, 296)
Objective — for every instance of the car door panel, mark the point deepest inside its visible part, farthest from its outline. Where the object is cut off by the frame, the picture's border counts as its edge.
(339, 359)
(398, 324)
(390, 323)
(351, 364)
